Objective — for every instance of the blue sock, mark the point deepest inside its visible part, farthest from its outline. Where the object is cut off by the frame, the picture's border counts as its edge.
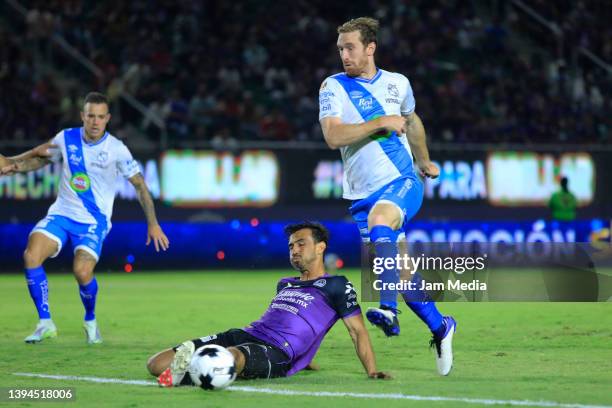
(421, 304)
(88, 297)
(39, 290)
(385, 243)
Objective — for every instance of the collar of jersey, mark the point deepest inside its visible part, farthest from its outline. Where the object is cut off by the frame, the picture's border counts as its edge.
(297, 278)
(94, 143)
(371, 80)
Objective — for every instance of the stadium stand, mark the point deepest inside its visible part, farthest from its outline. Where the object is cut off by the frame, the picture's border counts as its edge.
(224, 72)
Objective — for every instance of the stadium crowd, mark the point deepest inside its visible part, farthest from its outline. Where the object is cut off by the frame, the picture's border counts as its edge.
(251, 70)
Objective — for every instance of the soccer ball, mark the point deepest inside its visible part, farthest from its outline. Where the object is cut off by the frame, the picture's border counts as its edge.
(212, 367)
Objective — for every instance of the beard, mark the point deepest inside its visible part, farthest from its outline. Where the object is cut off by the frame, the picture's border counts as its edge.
(356, 68)
(300, 264)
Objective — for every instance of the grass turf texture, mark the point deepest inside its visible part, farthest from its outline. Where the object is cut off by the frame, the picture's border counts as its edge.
(558, 352)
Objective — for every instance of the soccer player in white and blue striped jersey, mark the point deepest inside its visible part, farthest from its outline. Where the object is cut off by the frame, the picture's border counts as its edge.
(92, 160)
(369, 114)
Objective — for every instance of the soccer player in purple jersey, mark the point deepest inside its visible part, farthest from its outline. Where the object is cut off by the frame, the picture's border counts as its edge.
(286, 338)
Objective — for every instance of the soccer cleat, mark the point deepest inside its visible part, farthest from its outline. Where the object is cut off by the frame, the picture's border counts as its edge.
(385, 318)
(45, 329)
(172, 376)
(92, 334)
(444, 346)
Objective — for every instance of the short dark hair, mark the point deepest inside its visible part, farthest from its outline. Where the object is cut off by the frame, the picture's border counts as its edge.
(319, 232)
(367, 27)
(95, 97)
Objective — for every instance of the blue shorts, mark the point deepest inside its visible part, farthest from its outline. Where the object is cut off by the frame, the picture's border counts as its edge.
(87, 237)
(405, 192)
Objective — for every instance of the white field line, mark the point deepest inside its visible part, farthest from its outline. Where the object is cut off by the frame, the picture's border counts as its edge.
(480, 401)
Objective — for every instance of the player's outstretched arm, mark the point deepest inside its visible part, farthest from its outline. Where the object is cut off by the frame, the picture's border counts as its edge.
(31, 160)
(154, 231)
(415, 131)
(338, 134)
(363, 346)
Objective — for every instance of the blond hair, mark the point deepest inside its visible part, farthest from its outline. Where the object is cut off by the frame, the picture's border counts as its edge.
(367, 27)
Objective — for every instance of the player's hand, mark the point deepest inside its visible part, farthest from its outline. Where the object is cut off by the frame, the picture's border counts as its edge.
(160, 240)
(313, 366)
(428, 169)
(380, 375)
(393, 123)
(44, 150)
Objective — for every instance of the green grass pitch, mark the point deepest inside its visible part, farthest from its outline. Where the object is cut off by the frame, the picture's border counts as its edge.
(559, 352)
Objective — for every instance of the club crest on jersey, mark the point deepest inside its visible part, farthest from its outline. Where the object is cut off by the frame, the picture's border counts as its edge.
(393, 91)
(320, 283)
(101, 160)
(102, 157)
(80, 182)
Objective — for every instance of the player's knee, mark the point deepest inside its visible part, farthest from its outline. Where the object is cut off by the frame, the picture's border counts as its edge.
(153, 366)
(83, 274)
(384, 214)
(31, 258)
(382, 219)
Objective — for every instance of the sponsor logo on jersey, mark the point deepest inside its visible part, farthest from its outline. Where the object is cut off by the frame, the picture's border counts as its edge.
(393, 100)
(75, 160)
(72, 148)
(208, 338)
(80, 182)
(356, 94)
(320, 283)
(366, 103)
(393, 91)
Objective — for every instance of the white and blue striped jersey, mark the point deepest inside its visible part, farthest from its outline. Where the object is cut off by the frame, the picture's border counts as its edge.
(90, 174)
(381, 158)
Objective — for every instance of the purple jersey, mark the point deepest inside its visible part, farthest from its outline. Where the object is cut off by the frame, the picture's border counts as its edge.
(301, 314)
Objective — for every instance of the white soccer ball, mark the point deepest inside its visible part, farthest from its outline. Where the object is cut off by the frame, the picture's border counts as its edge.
(212, 367)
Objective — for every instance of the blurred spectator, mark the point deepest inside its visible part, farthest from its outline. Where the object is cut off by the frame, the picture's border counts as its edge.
(258, 72)
(563, 203)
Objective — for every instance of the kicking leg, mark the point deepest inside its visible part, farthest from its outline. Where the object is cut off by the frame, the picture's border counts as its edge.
(383, 222)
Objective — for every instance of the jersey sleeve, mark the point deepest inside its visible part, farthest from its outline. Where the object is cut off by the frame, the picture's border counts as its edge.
(330, 99)
(408, 103)
(344, 298)
(56, 153)
(126, 165)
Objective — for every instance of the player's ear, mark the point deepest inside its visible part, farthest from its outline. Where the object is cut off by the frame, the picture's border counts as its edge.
(371, 48)
(321, 247)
